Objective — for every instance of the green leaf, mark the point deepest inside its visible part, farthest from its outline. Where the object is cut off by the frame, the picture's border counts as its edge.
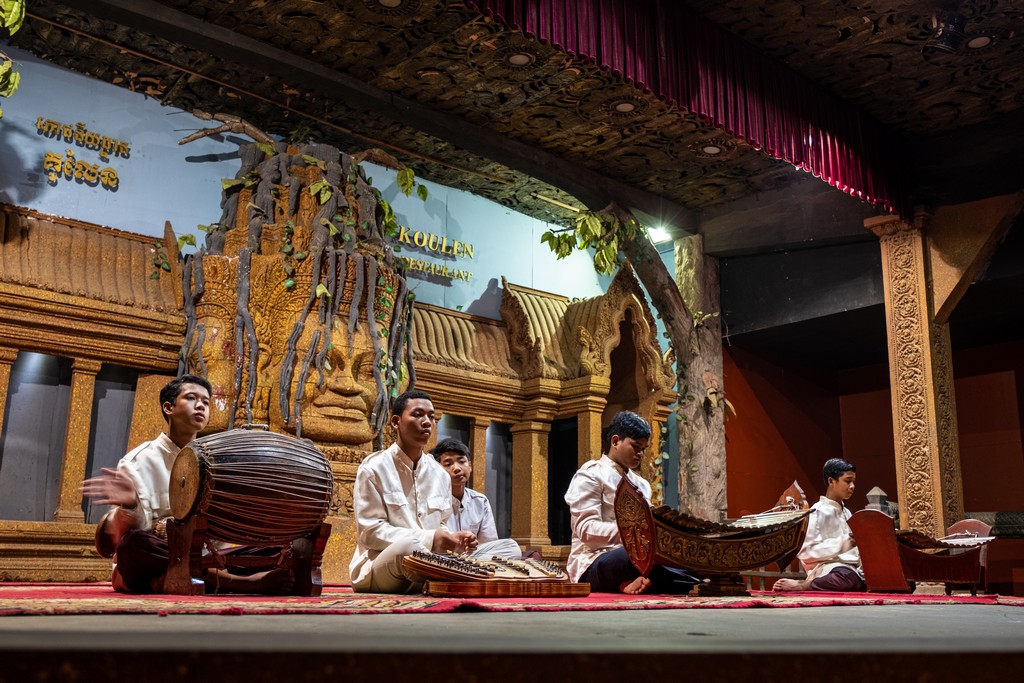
(406, 181)
(299, 255)
(313, 161)
(266, 148)
(286, 249)
(330, 226)
(289, 283)
(321, 290)
(327, 365)
(155, 275)
(421, 192)
(166, 266)
(187, 238)
(231, 183)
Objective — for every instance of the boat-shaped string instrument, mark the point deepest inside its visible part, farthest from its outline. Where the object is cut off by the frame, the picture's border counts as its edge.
(716, 552)
(462, 576)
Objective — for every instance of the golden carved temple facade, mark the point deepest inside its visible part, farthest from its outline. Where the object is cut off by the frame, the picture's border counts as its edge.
(549, 358)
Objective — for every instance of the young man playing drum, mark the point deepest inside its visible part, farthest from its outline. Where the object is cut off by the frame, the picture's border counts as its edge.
(401, 501)
(134, 530)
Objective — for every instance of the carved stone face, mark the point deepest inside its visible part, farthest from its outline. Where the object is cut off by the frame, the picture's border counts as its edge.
(338, 410)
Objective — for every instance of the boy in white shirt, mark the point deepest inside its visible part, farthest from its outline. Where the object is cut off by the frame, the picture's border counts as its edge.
(139, 488)
(402, 502)
(829, 554)
(597, 555)
(471, 511)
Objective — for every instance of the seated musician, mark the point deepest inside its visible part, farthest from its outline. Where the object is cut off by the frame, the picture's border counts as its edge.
(829, 554)
(471, 511)
(134, 531)
(597, 555)
(402, 501)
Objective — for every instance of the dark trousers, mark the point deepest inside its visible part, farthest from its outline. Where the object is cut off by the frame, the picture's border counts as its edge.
(608, 572)
(839, 580)
(142, 559)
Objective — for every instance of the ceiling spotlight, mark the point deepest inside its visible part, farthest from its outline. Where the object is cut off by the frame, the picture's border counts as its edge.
(658, 235)
(711, 150)
(389, 3)
(519, 59)
(979, 42)
(624, 107)
(948, 34)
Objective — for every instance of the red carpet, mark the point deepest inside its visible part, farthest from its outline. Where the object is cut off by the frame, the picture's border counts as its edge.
(99, 598)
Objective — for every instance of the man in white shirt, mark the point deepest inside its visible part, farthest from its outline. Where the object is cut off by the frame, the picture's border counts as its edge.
(597, 556)
(402, 502)
(471, 511)
(140, 488)
(829, 554)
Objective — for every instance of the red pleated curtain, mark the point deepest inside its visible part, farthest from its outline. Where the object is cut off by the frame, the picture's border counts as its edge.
(679, 56)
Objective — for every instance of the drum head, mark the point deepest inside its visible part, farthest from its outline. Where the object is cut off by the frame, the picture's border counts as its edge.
(186, 477)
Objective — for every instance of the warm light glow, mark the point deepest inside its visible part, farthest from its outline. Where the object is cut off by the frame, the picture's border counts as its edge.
(658, 235)
(711, 150)
(520, 59)
(979, 42)
(389, 3)
(625, 107)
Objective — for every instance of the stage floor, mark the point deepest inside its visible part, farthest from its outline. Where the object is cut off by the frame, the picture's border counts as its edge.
(922, 642)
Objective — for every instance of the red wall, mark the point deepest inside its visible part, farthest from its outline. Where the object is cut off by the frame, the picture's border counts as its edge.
(786, 426)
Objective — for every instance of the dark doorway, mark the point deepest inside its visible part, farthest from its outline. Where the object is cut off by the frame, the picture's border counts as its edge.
(562, 464)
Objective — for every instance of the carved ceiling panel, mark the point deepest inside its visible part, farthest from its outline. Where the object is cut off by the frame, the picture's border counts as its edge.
(874, 53)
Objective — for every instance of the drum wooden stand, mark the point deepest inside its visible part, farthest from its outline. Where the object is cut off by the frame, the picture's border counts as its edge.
(253, 489)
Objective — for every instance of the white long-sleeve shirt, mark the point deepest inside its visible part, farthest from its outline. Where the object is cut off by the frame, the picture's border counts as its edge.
(827, 535)
(393, 501)
(149, 466)
(591, 500)
(473, 513)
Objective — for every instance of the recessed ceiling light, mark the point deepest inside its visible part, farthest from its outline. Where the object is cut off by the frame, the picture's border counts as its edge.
(978, 42)
(389, 3)
(711, 150)
(519, 59)
(624, 107)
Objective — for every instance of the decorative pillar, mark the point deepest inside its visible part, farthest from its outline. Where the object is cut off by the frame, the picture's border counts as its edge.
(76, 440)
(7, 358)
(929, 485)
(478, 448)
(530, 484)
(588, 430)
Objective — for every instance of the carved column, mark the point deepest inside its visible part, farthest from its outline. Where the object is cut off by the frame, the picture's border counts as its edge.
(76, 440)
(928, 479)
(7, 358)
(530, 484)
(478, 447)
(588, 427)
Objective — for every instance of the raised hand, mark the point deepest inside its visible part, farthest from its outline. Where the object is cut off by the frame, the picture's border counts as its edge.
(112, 487)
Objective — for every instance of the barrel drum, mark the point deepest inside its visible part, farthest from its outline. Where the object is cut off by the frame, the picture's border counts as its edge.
(250, 488)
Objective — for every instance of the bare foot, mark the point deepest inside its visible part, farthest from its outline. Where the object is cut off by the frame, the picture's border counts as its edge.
(636, 586)
(789, 585)
(273, 582)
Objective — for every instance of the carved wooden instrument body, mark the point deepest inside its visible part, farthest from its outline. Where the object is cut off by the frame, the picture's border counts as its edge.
(715, 552)
(893, 561)
(254, 488)
(464, 576)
